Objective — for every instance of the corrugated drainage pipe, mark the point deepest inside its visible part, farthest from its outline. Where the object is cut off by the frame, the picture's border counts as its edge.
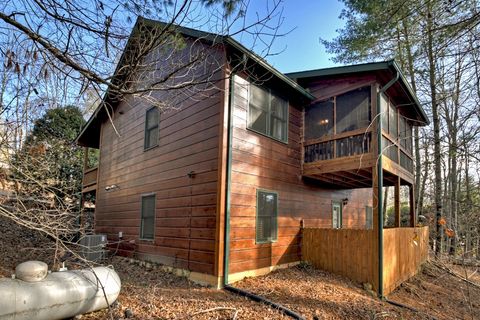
(263, 300)
(227, 287)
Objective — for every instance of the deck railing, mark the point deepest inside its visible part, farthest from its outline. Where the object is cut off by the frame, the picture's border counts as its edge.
(338, 146)
(89, 177)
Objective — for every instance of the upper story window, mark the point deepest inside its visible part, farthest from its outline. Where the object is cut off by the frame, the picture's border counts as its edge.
(151, 128)
(268, 113)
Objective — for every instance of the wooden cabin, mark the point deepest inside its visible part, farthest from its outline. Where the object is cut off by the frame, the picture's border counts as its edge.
(226, 184)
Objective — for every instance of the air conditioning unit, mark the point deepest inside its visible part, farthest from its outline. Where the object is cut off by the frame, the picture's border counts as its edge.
(93, 247)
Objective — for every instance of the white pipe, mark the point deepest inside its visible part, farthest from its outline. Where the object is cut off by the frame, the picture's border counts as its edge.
(59, 295)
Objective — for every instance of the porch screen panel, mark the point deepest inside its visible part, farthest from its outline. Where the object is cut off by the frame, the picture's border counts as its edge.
(409, 137)
(319, 120)
(384, 109)
(402, 131)
(389, 149)
(353, 110)
(266, 225)
(392, 121)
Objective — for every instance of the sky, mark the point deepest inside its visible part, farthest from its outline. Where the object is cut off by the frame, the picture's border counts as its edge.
(310, 20)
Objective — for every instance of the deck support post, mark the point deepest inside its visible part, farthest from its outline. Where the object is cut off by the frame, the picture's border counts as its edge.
(380, 182)
(413, 218)
(397, 203)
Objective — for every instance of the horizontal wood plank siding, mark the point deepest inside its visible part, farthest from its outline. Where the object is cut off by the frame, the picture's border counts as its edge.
(259, 162)
(186, 206)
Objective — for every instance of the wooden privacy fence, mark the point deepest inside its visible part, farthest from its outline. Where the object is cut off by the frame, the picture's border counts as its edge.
(353, 253)
(404, 251)
(348, 252)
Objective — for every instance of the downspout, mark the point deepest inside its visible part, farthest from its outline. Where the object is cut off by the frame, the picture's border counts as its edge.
(229, 179)
(226, 286)
(380, 184)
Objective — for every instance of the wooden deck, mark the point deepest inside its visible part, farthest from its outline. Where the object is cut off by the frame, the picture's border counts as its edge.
(353, 253)
(89, 182)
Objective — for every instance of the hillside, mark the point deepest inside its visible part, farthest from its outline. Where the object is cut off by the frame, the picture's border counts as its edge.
(148, 292)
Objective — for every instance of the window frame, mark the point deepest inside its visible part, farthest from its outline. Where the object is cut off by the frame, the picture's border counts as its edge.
(270, 239)
(148, 195)
(270, 115)
(148, 130)
(340, 218)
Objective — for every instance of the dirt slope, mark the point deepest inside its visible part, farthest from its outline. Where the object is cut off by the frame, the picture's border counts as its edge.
(150, 293)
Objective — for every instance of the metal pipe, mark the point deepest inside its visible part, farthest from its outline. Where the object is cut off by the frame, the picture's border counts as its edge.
(228, 179)
(380, 184)
(264, 300)
(58, 295)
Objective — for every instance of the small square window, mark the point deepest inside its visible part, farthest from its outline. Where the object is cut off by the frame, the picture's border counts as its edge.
(151, 128)
(147, 223)
(267, 207)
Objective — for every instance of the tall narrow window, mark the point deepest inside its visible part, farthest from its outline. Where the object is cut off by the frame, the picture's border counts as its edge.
(336, 215)
(268, 113)
(267, 206)
(368, 217)
(151, 128)
(147, 223)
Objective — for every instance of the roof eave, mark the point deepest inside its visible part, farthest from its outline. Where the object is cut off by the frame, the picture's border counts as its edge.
(366, 67)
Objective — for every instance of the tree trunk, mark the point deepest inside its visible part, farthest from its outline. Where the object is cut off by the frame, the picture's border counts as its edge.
(436, 129)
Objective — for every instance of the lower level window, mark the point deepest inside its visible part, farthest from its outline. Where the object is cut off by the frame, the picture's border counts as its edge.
(147, 224)
(267, 207)
(336, 215)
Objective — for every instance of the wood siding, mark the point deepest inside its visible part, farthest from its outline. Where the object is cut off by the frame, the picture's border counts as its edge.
(182, 171)
(259, 162)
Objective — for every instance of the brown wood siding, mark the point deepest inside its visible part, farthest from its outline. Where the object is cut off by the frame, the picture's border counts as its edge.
(186, 207)
(259, 162)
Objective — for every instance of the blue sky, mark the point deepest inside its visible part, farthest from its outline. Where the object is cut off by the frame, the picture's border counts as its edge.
(312, 20)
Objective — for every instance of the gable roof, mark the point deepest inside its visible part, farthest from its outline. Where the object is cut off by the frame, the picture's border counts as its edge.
(92, 127)
(387, 69)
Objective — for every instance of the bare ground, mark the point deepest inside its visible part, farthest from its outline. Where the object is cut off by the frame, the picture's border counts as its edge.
(155, 294)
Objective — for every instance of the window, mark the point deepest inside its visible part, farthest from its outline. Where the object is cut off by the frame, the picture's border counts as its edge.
(368, 217)
(267, 206)
(147, 223)
(336, 215)
(151, 128)
(268, 114)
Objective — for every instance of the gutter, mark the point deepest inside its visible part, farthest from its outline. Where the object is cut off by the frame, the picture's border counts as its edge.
(380, 184)
(228, 181)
